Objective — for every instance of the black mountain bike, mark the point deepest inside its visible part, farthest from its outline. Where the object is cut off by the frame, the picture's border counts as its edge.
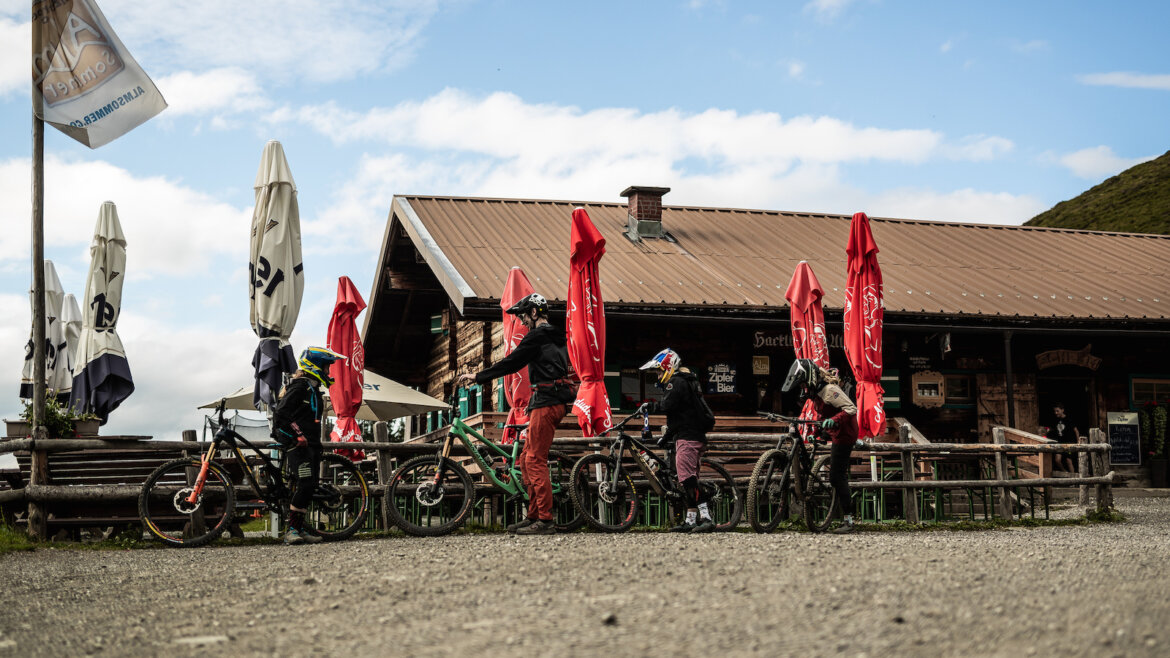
(191, 500)
(791, 480)
(604, 489)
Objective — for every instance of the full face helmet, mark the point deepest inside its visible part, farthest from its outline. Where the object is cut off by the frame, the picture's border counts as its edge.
(667, 361)
(316, 362)
(805, 375)
(529, 302)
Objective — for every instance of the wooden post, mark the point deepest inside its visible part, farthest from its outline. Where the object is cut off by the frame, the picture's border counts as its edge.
(1101, 464)
(382, 435)
(1001, 473)
(1083, 471)
(38, 526)
(909, 496)
(198, 523)
(39, 468)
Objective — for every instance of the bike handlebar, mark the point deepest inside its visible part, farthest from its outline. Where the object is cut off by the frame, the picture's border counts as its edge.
(642, 409)
(775, 418)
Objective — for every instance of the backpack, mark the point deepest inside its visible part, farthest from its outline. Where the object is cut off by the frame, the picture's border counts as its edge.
(706, 416)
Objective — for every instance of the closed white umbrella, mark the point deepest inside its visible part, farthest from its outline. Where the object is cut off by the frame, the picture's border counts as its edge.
(102, 377)
(276, 281)
(58, 376)
(382, 399)
(71, 320)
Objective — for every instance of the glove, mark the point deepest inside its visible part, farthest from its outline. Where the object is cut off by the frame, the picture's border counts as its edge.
(650, 407)
(302, 442)
(828, 424)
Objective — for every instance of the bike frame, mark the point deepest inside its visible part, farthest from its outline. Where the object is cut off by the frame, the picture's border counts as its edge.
(627, 443)
(513, 486)
(229, 438)
(800, 453)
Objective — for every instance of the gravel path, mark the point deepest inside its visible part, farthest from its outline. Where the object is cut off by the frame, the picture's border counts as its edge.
(1070, 591)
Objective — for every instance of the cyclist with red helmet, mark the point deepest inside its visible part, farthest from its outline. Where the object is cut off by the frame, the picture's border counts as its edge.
(543, 351)
(682, 403)
(838, 416)
(296, 424)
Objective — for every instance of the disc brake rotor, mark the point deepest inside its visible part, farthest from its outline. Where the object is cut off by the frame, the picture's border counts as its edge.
(182, 505)
(607, 492)
(428, 494)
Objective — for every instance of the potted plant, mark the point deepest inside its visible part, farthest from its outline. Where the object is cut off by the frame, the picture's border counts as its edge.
(60, 421)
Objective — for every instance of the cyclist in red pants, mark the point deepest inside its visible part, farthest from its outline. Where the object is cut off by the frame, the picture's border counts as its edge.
(543, 350)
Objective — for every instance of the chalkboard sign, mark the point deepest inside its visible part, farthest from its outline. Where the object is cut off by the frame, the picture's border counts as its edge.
(1124, 437)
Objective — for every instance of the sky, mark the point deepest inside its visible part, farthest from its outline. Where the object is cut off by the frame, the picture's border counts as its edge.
(986, 112)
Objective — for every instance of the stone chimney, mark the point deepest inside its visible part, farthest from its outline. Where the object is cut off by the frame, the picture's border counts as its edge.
(645, 212)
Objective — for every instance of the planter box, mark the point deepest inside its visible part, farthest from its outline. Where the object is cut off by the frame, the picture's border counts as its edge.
(86, 427)
(1158, 475)
(18, 428)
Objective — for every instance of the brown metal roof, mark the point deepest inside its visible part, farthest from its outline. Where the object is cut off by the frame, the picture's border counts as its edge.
(745, 258)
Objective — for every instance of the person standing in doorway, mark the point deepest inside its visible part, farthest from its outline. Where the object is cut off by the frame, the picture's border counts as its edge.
(543, 351)
(1062, 430)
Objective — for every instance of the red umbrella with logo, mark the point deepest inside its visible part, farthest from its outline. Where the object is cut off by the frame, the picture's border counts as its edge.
(516, 386)
(808, 322)
(864, 311)
(346, 392)
(585, 325)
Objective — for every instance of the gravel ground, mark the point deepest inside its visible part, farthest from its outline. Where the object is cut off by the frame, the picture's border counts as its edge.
(1099, 590)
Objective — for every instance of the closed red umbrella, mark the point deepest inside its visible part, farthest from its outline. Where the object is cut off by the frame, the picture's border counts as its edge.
(343, 338)
(585, 325)
(864, 311)
(808, 322)
(516, 386)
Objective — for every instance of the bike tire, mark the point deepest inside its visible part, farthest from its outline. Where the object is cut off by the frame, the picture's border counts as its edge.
(723, 499)
(436, 517)
(769, 491)
(163, 514)
(585, 487)
(566, 516)
(820, 505)
(342, 501)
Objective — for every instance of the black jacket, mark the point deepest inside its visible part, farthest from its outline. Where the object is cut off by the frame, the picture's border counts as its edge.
(684, 416)
(301, 405)
(543, 350)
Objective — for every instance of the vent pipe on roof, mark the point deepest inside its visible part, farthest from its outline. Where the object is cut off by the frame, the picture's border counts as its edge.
(645, 212)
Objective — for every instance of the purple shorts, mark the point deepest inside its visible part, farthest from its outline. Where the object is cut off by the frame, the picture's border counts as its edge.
(686, 458)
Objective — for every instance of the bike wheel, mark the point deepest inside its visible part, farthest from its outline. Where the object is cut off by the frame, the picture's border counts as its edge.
(723, 499)
(769, 491)
(166, 512)
(820, 505)
(342, 500)
(424, 505)
(565, 514)
(603, 505)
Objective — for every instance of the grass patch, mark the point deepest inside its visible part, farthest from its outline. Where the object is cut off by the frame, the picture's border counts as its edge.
(12, 540)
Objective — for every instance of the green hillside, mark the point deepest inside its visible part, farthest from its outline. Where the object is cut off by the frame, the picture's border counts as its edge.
(1136, 201)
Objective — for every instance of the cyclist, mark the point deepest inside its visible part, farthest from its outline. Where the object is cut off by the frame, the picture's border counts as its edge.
(838, 416)
(682, 400)
(296, 424)
(543, 350)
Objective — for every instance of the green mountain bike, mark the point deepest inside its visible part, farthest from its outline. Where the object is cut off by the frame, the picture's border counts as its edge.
(432, 495)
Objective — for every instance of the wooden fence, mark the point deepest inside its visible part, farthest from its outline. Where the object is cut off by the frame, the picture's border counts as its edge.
(737, 448)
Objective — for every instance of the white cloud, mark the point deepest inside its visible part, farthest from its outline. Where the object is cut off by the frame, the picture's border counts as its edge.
(1027, 47)
(1098, 162)
(170, 228)
(796, 69)
(978, 148)
(287, 40)
(964, 205)
(1128, 79)
(826, 9)
(15, 46)
(225, 91)
(946, 46)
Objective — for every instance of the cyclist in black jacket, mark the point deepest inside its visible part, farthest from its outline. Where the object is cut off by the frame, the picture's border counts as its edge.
(682, 403)
(296, 424)
(543, 350)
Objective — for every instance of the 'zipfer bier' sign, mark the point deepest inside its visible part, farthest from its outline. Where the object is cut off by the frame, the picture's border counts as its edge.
(721, 378)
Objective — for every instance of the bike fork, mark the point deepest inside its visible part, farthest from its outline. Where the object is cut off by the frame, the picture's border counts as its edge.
(201, 479)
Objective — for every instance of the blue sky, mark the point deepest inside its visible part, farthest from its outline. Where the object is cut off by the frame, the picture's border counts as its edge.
(988, 112)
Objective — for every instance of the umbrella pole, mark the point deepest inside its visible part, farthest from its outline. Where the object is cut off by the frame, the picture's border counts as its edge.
(38, 471)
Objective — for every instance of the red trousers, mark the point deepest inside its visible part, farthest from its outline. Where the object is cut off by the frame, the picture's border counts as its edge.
(542, 425)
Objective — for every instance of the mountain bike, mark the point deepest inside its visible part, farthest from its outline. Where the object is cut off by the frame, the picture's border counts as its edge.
(432, 495)
(791, 480)
(607, 495)
(190, 501)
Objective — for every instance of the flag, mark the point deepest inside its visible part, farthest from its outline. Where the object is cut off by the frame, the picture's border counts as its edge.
(85, 83)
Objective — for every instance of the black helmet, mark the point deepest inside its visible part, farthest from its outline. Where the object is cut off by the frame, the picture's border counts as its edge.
(804, 374)
(533, 301)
